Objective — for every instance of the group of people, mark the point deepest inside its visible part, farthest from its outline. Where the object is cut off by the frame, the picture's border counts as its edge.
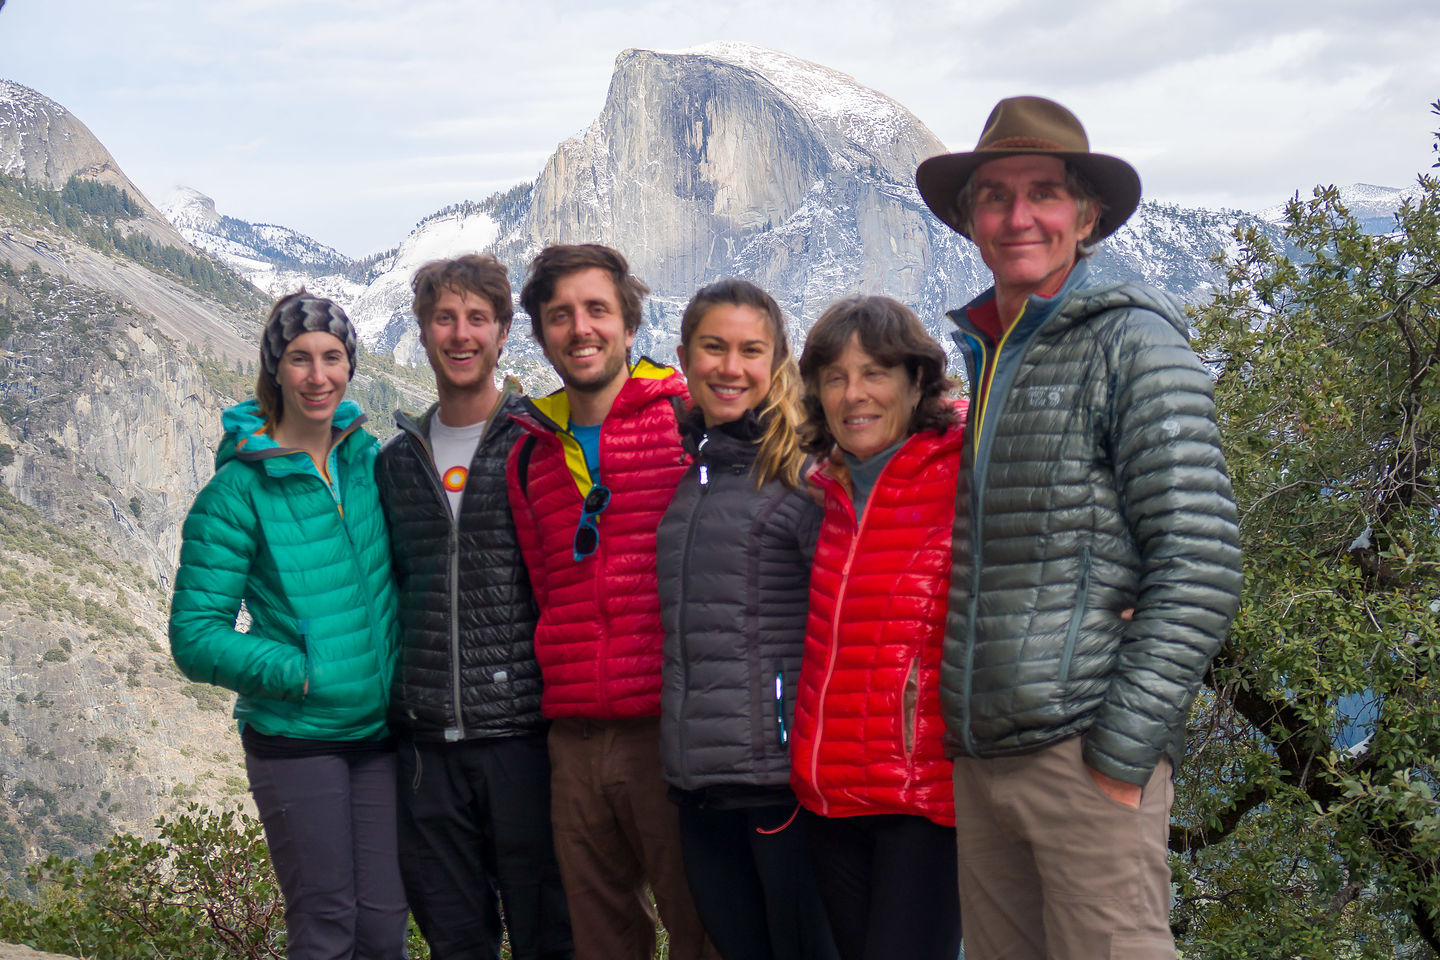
(814, 657)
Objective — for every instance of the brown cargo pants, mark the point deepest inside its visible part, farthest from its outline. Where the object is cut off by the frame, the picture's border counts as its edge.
(615, 829)
(1053, 869)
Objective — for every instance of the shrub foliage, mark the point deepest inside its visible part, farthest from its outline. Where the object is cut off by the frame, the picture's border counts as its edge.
(1307, 816)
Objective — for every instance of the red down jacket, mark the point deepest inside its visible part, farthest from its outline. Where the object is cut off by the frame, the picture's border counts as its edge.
(868, 728)
(599, 636)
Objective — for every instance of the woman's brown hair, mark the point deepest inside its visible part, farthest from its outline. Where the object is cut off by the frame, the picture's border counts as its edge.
(890, 333)
(779, 411)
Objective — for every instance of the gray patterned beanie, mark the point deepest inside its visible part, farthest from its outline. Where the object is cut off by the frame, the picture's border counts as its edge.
(303, 312)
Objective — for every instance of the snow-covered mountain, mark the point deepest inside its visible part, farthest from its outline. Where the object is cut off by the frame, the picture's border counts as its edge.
(42, 142)
(275, 259)
(1373, 206)
(732, 159)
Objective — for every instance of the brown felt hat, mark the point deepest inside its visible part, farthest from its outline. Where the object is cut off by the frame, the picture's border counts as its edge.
(1020, 125)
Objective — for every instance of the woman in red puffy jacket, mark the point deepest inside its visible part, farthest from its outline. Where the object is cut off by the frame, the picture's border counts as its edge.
(867, 752)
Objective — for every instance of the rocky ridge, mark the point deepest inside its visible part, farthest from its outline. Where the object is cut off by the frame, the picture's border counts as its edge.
(275, 259)
(43, 142)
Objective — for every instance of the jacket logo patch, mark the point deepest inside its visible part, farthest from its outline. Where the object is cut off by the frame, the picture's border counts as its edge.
(1045, 398)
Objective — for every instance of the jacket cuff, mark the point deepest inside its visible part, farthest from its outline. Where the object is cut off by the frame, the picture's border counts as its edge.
(1135, 772)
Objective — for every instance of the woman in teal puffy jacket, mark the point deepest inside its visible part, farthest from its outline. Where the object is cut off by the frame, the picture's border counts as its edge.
(290, 527)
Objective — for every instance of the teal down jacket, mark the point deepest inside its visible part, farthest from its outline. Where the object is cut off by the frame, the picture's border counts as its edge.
(311, 562)
(1092, 482)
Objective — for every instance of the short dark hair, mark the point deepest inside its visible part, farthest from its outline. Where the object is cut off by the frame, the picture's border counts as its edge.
(1087, 199)
(478, 274)
(890, 333)
(562, 259)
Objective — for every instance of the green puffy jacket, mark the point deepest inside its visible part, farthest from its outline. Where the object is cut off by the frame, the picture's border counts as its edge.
(311, 562)
(1093, 482)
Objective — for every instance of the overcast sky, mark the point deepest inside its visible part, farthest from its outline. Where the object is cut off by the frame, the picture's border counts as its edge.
(352, 120)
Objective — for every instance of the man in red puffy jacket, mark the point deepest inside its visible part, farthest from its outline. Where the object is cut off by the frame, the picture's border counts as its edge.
(588, 487)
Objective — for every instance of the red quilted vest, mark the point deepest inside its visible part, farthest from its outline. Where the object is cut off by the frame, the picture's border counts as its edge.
(868, 729)
(599, 636)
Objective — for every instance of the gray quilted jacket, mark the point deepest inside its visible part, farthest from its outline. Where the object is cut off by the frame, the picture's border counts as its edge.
(1093, 481)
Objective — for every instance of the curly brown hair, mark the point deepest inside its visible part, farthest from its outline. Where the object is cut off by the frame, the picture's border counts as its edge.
(889, 332)
(477, 274)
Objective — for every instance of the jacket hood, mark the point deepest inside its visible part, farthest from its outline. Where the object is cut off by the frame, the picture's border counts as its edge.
(245, 434)
(647, 381)
(1075, 302)
(1094, 300)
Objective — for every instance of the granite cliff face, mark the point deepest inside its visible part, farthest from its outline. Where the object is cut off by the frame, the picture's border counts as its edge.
(731, 159)
(106, 426)
(697, 156)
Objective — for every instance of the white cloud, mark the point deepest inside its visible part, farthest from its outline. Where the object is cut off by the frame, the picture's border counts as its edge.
(351, 119)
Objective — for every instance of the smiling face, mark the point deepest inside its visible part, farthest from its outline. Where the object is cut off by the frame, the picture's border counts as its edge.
(584, 335)
(1026, 224)
(728, 362)
(867, 405)
(312, 375)
(463, 341)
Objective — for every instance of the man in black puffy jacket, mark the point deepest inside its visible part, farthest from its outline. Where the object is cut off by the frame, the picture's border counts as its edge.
(474, 767)
(1096, 561)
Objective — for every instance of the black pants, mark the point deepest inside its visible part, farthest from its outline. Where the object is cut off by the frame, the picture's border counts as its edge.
(330, 825)
(890, 884)
(475, 832)
(750, 873)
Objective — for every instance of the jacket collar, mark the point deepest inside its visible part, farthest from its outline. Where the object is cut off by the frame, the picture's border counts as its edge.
(1033, 315)
(511, 393)
(731, 444)
(246, 439)
(647, 381)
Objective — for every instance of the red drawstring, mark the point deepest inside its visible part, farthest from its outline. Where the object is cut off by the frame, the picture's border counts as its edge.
(764, 832)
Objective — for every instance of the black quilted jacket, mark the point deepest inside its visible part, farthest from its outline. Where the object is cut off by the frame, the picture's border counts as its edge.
(734, 572)
(467, 615)
(1093, 481)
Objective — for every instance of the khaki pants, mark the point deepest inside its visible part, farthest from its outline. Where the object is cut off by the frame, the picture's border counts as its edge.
(615, 829)
(1053, 869)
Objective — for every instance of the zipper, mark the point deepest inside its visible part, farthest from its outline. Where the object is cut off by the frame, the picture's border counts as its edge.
(782, 730)
(835, 649)
(704, 478)
(305, 648)
(978, 468)
(910, 710)
(1073, 631)
(364, 591)
(452, 575)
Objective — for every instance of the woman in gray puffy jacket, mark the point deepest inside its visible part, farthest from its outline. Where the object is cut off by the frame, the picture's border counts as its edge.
(734, 552)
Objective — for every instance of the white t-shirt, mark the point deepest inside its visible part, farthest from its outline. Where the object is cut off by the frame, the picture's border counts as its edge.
(454, 448)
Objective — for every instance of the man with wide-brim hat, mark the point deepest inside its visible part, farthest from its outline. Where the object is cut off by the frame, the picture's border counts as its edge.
(1096, 553)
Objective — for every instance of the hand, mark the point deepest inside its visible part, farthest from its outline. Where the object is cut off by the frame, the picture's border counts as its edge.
(1117, 790)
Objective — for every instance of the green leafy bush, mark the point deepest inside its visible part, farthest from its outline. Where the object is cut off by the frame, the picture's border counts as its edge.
(203, 890)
